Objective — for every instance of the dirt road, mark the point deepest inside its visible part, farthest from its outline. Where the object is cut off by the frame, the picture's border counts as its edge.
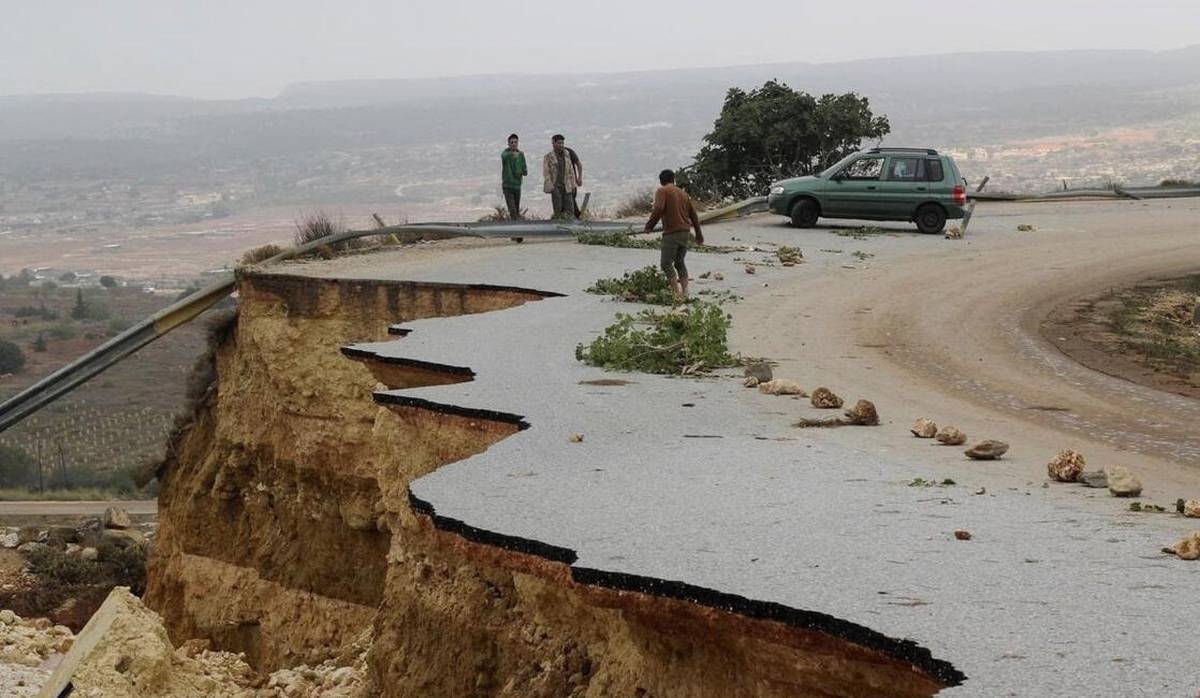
(134, 507)
(953, 330)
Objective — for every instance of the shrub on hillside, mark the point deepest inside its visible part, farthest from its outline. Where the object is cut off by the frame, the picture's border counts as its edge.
(259, 254)
(12, 359)
(639, 204)
(17, 467)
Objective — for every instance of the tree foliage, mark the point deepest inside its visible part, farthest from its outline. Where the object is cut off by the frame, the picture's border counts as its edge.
(774, 132)
(667, 342)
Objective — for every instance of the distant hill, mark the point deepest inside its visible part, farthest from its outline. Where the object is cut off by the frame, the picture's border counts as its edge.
(355, 140)
(899, 86)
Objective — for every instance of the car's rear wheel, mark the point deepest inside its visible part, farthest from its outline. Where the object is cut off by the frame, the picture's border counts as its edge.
(930, 218)
(805, 213)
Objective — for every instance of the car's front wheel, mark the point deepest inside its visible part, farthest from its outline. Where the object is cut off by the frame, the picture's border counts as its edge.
(930, 218)
(805, 213)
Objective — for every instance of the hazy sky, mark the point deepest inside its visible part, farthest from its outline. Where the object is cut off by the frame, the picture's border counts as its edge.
(243, 48)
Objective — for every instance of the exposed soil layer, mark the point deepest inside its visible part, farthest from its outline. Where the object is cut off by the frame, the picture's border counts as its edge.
(287, 529)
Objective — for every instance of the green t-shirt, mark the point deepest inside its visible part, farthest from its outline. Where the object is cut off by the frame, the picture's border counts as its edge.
(512, 168)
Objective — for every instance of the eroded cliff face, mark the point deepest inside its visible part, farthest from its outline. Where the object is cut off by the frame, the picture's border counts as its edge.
(287, 532)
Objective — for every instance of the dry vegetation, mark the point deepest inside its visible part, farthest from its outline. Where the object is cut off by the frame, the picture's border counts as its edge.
(1153, 324)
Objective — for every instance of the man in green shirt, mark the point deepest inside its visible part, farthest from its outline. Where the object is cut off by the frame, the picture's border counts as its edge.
(512, 169)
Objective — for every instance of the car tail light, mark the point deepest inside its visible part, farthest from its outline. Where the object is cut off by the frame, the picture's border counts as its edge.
(960, 194)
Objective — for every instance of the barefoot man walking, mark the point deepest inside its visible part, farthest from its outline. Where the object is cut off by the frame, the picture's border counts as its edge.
(674, 207)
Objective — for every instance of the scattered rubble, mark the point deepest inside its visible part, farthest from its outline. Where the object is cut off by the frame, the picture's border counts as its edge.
(1191, 509)
(781, 386)
(124, 652)
(863, 414)
(951, 436)
(924, 428)
(1066, 466)
(790, 256)
(1122, 482)
(1188, 548)
(825, 399)
(1093, 478)
(759, 370)
(988, 449)
(962, 534)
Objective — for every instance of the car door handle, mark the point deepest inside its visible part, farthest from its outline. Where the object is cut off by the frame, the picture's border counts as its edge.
(871, 187)
(920, 188)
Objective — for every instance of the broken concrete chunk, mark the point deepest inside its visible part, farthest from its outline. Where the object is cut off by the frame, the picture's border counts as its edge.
(124, 651)
(1191, 509)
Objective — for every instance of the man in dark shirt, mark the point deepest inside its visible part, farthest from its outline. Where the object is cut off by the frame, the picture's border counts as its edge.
(577, 166)
(559, 178)
(674, 207)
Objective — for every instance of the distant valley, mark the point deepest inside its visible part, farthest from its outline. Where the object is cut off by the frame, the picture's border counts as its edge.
(113, 170)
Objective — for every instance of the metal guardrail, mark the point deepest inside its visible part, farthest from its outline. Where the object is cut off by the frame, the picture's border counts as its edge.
(1134, 193)
(96, 361)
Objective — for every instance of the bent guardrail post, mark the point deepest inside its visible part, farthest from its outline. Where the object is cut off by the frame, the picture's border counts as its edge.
(67, 378)
(755, 204)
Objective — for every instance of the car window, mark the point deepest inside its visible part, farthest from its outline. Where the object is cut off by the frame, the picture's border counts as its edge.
(904, 169)
(863, 168)
(933, 170)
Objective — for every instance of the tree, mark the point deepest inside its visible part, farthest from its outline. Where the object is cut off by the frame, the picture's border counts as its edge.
(80, 311)
(16, 467)
(774, 132)
(12, 359)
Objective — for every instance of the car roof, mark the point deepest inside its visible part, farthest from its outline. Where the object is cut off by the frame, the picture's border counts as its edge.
(925, 151)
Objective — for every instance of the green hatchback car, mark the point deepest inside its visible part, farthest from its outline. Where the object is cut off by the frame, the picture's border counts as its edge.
(881, 184)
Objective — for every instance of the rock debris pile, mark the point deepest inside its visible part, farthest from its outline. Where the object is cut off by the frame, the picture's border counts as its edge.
(124, 652)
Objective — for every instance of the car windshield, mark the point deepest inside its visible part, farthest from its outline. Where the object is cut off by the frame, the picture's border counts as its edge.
(829, 172)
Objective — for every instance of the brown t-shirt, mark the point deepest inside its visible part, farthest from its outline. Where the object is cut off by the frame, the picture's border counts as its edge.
(674, 207)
